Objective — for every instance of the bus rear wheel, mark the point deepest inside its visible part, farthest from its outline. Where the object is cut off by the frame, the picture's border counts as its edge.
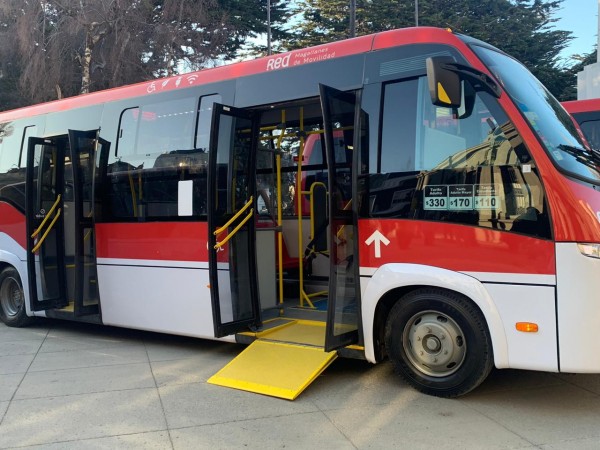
(12, 299)
(438, 342)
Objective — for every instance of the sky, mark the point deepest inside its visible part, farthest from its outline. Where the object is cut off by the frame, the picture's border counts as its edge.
(581, 18)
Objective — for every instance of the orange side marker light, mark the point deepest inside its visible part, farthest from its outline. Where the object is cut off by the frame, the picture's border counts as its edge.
(527, 327)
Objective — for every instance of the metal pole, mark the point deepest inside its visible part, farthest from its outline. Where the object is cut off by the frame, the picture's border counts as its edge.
(352, 18)
(269, 27)
(416, 13)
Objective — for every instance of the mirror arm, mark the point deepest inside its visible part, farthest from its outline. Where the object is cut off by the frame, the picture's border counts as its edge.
(485, 81)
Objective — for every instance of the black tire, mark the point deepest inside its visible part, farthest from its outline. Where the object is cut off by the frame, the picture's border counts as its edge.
(438, 342)
(12, 299)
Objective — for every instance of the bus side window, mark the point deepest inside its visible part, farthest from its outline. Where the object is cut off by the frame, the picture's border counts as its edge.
(591, 131)
(127, 132)
(156, 151)
(9, 147)
(438, 166)
(205, 111)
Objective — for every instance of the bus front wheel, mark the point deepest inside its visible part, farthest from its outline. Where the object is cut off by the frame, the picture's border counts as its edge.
(438, 342)
(12, 299)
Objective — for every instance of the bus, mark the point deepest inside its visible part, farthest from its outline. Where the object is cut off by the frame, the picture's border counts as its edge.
(414, 195)
(587, 115)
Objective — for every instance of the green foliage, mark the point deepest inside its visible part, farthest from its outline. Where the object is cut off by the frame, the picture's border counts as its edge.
(521, 28)
(64, 47)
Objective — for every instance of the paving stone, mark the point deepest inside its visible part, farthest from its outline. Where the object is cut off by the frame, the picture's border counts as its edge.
(422, 422)
(85, 380)
(8, 385)
(74, 417)
(545, 415)
(307, 430)
(188, 405)
(15, 363)
(153, 440)
(126, 354)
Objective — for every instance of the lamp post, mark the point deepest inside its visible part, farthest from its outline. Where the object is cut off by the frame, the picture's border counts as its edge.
(416, 13)
(352, 18)
(269, 27)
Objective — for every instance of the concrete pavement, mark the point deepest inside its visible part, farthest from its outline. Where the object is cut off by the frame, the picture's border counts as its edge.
(68, 385)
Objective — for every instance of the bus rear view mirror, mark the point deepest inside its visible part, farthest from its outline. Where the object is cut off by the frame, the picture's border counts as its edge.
(445, 85)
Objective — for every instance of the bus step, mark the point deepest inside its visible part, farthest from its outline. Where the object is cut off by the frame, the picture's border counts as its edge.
(278, 369)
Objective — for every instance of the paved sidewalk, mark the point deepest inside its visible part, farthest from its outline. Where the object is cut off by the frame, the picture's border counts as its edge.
(68, 385)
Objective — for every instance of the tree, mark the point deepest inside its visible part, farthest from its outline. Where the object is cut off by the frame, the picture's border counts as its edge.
(67, 47)
(522, 28)
(10, 63)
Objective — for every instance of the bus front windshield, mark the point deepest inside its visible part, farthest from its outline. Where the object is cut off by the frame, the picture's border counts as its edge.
(549, 120)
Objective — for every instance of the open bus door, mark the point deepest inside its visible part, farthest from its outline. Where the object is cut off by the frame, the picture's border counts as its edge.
(44, 204)
(342, 114)
(85, 147)
(60, 224)
(231, 224)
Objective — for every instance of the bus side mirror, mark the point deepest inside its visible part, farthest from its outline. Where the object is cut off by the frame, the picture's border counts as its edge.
(445, 86)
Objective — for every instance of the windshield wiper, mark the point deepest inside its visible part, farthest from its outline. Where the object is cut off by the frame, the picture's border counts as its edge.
(590, 158)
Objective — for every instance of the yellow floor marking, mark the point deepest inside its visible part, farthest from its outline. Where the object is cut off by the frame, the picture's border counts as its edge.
(301, 332)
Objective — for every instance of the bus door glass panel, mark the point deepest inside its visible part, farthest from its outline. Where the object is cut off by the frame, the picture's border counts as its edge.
(231, 207)
(85, 148)
(342, 118)
(45, 224)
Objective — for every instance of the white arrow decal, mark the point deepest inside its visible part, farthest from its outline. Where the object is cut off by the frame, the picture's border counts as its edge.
(378, 239)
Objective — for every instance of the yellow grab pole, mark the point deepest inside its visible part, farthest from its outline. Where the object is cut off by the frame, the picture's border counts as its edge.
(303, 296)
(280, 214)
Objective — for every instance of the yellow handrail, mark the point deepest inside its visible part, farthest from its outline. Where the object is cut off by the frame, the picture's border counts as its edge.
(280, 216)
(218, 245)
(43, 238)
(218, 231)
(56, 202)
(341, 230)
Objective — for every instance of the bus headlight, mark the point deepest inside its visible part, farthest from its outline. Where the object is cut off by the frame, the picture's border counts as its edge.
(591, 250)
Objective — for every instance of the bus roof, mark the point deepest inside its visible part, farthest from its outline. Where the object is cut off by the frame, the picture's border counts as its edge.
(279, 61)
(579, 106)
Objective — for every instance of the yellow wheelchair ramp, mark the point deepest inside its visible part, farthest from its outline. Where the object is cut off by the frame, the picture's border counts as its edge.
(277, 369)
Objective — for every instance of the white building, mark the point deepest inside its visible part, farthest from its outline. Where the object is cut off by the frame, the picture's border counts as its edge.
(588, 80)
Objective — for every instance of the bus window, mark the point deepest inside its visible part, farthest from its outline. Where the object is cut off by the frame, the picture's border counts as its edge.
(127, 131)
(591, 130)
(438, 166)
(9, 148)
(204, 120)
(155, 153)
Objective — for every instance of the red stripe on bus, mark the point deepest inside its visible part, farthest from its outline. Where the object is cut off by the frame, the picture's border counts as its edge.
(13, 223)
(454, 247)
(162, 241)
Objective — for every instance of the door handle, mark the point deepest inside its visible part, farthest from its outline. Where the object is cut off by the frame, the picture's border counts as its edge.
(220, 244)
(218, 231)
(37, 231)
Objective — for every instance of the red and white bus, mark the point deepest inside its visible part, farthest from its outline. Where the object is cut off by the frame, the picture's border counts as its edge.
(453, 226)
(587, 115)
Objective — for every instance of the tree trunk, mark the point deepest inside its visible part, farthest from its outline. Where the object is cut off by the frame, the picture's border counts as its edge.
(93, 34)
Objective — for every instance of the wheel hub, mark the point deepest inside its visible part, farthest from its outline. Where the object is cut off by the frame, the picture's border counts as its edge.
(434, 343)
(11, 297)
